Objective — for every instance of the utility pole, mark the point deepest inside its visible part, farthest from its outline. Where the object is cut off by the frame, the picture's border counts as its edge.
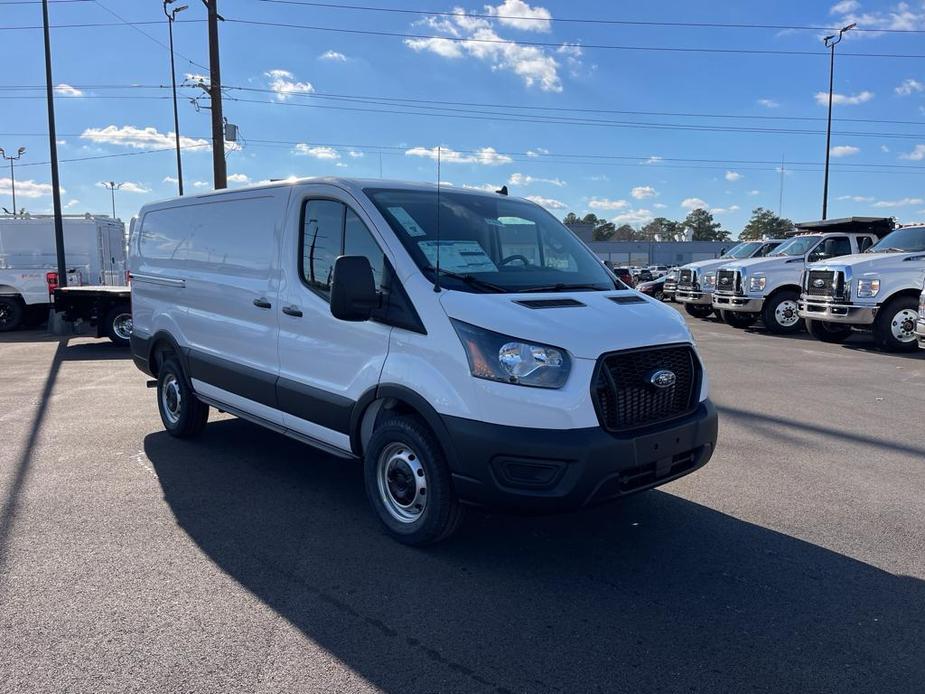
(830, 42)
(171, 18)
(112, 186)
(11, 159)
(53, 151)
(215, 94)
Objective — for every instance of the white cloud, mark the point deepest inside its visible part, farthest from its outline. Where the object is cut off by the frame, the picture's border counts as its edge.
(659, 205)
(200, 184)
(856, 198)
(909, 86)
(903, 202)
(822, 98)
(753, 193)
(548, 203)
(724, 210)
(694, 203)
(519, 15)
(285, 84)
(607, 204)
(239, 178)
(844, 7)
(196, 77)
(486, 187)
(917, 154)
(355, 154)
(71, 204)
(124, 187)
(884, 148)
(844, 150)
(442, 47)
(903, 16)
(768, 103)
(639, 216)
(652, 160)
(333, 56)
(733, 176)
(139, 138)
(26, 189)
(67, 90)
(643, 192)
(170, 179)
(485, 155)
(537, 152)
(316, 152)
(519, 179)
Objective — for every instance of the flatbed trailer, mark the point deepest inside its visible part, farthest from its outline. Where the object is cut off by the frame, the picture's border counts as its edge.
(108, 309)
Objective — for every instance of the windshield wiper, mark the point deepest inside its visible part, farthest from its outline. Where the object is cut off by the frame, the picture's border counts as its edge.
(562, 287)
(471, 280)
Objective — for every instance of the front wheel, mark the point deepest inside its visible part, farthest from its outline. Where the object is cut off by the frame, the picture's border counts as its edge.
(780, 313)
(737, 319)
(698, 310)
(894, 329)
(828, 332)
(11, 313)
(408, 482)
(118, 324)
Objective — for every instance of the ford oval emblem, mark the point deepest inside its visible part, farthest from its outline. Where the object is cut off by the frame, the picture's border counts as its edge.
(725, 280)
(663, 378)
(818, 283)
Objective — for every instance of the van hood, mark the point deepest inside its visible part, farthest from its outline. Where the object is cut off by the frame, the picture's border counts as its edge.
(710, 264)
(596, 326)
(871, 262)
(761, 264)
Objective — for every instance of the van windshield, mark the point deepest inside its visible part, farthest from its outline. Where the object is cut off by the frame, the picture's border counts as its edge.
(490, 243)
(798, 246)
(908, 239)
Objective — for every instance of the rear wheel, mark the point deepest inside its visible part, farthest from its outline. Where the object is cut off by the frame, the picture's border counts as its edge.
(828, 332)
(11, 313)
(894, 329)
(182, 413)
(780, 313)
(408, 482)
(118, 323)
(737, 319)
(698, 310)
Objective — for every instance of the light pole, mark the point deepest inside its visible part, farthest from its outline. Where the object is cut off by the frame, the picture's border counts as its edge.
(171, 18)
(112, 186)
(830, 42)
(19, 154)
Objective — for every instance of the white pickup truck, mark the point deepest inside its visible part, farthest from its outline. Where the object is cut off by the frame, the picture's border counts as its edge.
(697, 280)
(876, 291)
(769, 287)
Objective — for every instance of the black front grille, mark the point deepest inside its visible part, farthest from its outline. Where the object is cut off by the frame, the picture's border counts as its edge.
(727, 281)
(687, 278)
(625, 396)
(828, 283)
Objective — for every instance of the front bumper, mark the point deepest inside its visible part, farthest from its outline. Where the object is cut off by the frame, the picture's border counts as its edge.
(560, 470)
(691, 296)
(832, 312)
(737, 302)
(920, 332)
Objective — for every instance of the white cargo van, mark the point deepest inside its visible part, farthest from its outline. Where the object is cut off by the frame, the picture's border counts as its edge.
(466, 346)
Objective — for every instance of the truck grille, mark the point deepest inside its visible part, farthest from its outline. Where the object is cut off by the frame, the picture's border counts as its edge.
(624, 396)
(687, 278)
(825, 283)
(728, 281)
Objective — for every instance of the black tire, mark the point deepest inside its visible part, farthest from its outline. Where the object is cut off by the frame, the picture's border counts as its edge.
(737, 319)
(11, 313)
(400, 447)
(889, 319)
(658, 295)
(118, 324)
(189, 415)
(828, 332)
(773, 319)
(698, 310)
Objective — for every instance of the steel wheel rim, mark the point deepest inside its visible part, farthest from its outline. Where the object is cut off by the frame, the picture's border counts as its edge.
(4, 314)
(122, 326)
(903, 325)
(402, 482)
(786, 313)
(171, 398)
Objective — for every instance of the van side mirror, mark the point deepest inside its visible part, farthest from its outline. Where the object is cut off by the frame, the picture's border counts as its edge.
(353, 289)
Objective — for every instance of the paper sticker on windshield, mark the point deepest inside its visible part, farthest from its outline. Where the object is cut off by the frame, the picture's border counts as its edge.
(407, 221)
(458, 256)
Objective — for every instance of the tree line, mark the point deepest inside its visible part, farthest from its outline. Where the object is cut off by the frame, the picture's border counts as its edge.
(699, 225)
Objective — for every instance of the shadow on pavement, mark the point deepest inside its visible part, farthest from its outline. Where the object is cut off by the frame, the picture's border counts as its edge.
(654, 594)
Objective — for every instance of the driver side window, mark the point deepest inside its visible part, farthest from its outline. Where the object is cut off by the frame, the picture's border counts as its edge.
(831, 248)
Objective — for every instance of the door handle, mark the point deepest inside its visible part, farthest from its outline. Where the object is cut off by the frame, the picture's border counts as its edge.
(262, 303)
(292, 311)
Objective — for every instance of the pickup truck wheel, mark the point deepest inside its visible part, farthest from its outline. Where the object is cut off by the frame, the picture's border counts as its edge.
(780, 313)
(408, 482)
(828, 332)
(182, 413)
(118, 324)
(11, 313)
(737, 319)
(698, 310)
(894, 329)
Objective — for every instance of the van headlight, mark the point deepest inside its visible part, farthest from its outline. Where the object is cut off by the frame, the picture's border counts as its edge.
(506, 359)
(709, 280)
(868, 287)
(757, 283)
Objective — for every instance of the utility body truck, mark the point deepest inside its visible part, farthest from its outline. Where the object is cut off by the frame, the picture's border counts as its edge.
(876, 291)
(770, 288)
(697, 280)
(94, 251)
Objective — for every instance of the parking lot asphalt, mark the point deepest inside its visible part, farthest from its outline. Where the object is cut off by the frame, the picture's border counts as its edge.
(246, 562)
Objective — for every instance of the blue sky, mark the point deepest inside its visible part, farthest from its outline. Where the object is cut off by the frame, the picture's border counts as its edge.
(576, 127)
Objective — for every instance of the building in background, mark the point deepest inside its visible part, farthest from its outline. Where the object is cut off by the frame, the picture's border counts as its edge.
(626, 253)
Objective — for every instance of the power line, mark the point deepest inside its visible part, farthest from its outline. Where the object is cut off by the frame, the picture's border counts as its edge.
(574, 20)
